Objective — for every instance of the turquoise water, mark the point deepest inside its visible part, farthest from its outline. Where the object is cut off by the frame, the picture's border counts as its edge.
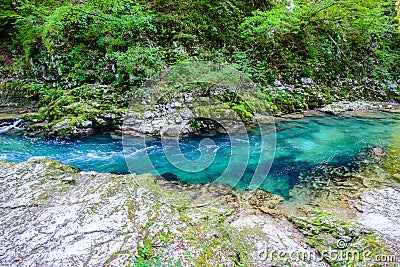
(303, 145)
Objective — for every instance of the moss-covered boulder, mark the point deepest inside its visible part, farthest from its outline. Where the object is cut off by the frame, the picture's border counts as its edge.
(80, 111)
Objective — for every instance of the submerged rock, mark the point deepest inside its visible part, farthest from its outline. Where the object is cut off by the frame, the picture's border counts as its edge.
(365, 197)
(379, 151)
(170, 176)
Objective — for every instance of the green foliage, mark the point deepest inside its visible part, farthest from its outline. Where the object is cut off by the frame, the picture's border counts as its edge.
(343, 37)
(47, 94)
(243, 111)
(137, 62)
(12, 11)
(8, 14)
(319, 40)
(70, 43)
(87, 42)
(144, 258)
(201, 24)
(70, 25)
(258, 71)
(398, 12)
(148, 256)
(19, 91)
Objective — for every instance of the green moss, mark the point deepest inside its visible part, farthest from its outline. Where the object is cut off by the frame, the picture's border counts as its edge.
(59, 168)
(19, 92)
(243, 111)
(326, 232)
(392, 160)
(37, 117)
(99, 104)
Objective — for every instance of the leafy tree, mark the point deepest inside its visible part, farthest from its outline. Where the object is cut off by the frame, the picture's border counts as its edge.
(344, 37)
(84, 42)
(8, 14)
(73, 42)
(398, 11)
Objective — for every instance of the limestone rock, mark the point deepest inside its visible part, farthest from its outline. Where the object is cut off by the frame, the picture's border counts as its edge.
(56, 215)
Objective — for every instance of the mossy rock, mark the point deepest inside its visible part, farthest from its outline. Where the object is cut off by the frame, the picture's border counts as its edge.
(326, 232)
(392, 160)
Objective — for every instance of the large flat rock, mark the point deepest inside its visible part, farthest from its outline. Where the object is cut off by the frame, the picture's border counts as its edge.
(55, 215)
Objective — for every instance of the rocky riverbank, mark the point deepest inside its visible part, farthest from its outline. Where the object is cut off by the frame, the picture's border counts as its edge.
(91, 120)
(54, 214)
(168, 104)
(360, 106)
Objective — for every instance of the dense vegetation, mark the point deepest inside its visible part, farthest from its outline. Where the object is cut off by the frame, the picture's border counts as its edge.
(327, 49)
